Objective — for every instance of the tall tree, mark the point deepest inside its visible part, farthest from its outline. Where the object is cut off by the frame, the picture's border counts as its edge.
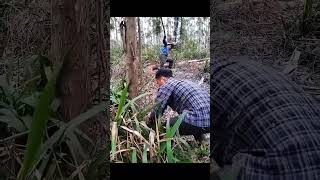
(139, 39)
(70, 45)
(199, 31)
(139, 49)
(131, 56)
(175, 32)
(182, 29)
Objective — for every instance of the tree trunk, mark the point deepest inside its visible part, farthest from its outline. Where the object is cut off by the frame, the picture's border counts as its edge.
(116, 30)
(70, 46)
(199, 32)
(139, 50)
(182, 30)
(131, 57)
(175, 32)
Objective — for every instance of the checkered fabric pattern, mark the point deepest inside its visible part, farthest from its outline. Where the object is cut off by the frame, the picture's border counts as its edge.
(263, 123)
(185, 96)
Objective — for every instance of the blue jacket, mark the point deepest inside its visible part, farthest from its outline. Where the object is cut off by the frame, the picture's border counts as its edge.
(165, 50)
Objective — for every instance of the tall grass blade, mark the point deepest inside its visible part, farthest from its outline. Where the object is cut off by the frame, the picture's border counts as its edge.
(170, 133)
(121, 105)
(175, 127)
(145, 154)
(114, 134)
(134, 156)
(168, 144)
(38, 126)
(86, 115)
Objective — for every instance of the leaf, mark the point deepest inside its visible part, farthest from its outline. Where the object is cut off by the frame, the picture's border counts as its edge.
(55, 104)
(83, 135)
(75, 146)
(293, 63)
(38, 126)
(100, 159)
(51, 171)
(30, 100)
(170, 133)
(27, 121)
(168, 144)
(78, 172)
(175, 127)
(137, 124)
(134, 156)
(169, 151)
(87, 115)
(7, 89)
(11, 120)
(145, 155)
(44, 164)
(121, 105)
(131, 102)
(114, 134)
(184, 142)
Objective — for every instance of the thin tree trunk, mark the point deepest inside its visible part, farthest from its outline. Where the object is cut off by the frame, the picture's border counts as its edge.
(139, 50)
(175, 32)
(182, 30)
(131, 57)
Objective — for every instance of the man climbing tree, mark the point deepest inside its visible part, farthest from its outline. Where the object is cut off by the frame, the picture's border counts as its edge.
(166, 49)
(182, 96)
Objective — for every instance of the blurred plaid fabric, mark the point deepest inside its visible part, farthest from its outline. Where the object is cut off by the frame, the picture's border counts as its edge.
(185, 96)
(263, 123)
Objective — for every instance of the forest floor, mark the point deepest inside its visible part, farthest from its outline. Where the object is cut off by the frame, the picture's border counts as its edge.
(269, 32)
(192, 70)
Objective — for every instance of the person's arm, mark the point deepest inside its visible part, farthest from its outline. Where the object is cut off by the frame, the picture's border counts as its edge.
(164, 41)
(163, 96)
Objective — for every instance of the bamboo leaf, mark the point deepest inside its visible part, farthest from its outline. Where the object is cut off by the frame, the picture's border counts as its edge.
(38, 126)
(114, 134)
(121, 104)
(145, 154)
(175, 127)
(134, 156)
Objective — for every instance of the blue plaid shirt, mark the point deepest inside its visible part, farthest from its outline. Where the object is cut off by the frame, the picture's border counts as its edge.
(185, 96)
(263, 123)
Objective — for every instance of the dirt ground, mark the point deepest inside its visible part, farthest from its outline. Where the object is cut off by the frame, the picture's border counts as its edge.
(268, 31)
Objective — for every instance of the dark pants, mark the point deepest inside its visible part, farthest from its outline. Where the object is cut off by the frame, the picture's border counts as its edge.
(164, 59)
(188, 129)
(170, 61)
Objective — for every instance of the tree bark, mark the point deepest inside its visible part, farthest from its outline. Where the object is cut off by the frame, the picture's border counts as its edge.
(70, 46)
(175, 32)
(139, 50)
(182, 30)
(131, 57)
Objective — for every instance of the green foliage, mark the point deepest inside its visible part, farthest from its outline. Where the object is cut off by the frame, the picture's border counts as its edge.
(38, 127)
(156, 22)
(151, 54)
(190, 50)
(15, 108)
(116, 55)
(34, 112)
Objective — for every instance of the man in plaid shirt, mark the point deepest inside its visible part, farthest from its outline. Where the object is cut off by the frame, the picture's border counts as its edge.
(263, 123)
(183, 96)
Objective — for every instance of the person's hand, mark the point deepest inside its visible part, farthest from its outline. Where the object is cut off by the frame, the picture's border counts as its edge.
(150, 120)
